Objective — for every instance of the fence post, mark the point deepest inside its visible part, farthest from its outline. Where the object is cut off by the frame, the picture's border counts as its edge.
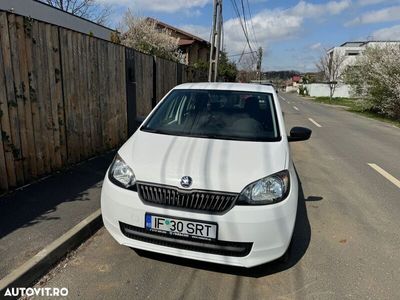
(130, 90)
(179, 68)
(154, 99)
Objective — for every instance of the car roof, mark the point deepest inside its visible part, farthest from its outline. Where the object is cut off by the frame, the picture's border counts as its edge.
(227, 86)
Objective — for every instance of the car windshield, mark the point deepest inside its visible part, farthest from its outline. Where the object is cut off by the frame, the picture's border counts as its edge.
(235, 115)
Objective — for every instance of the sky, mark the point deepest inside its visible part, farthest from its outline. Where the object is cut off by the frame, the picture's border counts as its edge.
(292, 33)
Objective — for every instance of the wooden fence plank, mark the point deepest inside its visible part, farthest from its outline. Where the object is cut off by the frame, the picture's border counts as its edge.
(111, 92)
(96, 120)
(4, 135)
(123, 120)
(165, 83)
(103, 104)
(90, 96)
(117, 108)
(3, 166)
(55, 34)
(70, 115)
(67, 57)
(52, 101)
(74, 139)
(41, 95)
(45, 100)
(78, 97)
(33, 57)
(32, 86)
(82, 99)
(111, 122)
(144, 83)
(4, 111)
(19, 93)
(23, 27)
(15, 142)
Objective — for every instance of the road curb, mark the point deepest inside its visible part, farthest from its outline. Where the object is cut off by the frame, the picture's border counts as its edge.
(38, 265)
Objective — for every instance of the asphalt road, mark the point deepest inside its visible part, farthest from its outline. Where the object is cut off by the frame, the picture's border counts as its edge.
(346, 241)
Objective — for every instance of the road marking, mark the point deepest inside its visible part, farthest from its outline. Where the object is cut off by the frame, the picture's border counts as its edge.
(295, 108)
(385, 174)
(284, 99)
(315, 123)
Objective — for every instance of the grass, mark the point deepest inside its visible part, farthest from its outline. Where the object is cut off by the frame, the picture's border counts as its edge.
(356, 107)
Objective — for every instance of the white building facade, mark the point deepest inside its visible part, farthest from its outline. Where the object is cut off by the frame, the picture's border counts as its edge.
(351, 51)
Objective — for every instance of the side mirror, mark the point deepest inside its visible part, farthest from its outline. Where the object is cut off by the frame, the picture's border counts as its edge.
(277, 91)
(299, 134)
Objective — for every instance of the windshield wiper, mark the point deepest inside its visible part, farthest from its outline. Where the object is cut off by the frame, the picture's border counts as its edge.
(152, 130)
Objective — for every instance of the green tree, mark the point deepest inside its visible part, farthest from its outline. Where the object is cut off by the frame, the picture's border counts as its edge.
(227, 69)
(375, 78)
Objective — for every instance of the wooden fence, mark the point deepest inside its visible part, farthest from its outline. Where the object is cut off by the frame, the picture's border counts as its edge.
(66, 96)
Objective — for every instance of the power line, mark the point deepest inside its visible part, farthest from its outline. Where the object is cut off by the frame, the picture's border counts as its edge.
(244, 20)
(252, 24)
(243, 53)
(237, 11)
(243, 24)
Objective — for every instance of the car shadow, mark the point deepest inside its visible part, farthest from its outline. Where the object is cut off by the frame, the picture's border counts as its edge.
(300, 243)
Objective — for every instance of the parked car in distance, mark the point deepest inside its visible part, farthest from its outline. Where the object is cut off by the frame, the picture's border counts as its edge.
(207, 176)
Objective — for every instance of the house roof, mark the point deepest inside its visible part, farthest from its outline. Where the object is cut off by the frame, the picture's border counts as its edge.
(353, 43)
(363, 43)
(172, 28)
(183, 42)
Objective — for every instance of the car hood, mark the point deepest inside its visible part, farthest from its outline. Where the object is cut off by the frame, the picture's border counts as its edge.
(213, 164)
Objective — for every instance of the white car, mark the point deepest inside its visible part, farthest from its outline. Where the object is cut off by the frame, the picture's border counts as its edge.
(207, 176)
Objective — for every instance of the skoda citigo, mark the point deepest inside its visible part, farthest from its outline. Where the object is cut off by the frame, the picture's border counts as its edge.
(207, 176)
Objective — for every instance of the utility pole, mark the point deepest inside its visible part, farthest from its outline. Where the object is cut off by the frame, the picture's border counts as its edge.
(259, 62)
(215, 41)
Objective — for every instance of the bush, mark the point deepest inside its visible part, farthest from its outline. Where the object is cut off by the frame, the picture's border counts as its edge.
(376, 79)
(303, 91)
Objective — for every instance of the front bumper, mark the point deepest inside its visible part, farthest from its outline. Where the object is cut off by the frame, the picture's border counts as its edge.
(268, 229)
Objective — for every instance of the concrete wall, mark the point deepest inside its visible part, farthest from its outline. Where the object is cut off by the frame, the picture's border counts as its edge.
(290, 88)
(322, 90)
(46, 13)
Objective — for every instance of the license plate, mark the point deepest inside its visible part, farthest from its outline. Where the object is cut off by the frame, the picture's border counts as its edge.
(181, 227)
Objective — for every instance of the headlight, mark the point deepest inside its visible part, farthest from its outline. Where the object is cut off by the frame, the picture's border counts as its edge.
(267, 190)
(121, 174)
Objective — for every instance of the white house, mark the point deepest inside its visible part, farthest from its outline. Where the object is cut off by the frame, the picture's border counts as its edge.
(350, 51)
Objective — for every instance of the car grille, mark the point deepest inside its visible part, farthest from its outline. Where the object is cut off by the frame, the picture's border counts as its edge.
(213, 247)
(198, 200)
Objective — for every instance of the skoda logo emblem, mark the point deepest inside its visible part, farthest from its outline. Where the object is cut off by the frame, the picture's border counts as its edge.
(186, 181)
